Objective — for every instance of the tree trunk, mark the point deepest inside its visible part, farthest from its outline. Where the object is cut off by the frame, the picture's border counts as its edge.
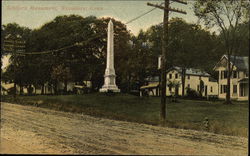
(15, 90)
(55, 88)
(42, 91)
(183, 77)
(65, 86)
(35, 89)
(228, 98)
(129, 84)
(21, 89)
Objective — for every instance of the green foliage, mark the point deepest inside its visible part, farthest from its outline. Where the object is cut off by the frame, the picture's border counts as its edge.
(136, 57)
(191, 93)
(228, 15)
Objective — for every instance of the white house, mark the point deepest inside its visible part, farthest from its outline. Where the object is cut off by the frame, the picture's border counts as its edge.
(239, 82)
(192, 81)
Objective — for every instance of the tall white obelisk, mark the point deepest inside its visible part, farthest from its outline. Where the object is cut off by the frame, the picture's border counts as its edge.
(109, 77)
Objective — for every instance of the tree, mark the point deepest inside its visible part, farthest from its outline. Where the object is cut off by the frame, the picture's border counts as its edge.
(16, 72)
(190, 46)
(174, 84)
(227, 15)
(61, 74)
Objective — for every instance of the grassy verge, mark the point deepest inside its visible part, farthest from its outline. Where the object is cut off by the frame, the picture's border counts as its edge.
(187, 114)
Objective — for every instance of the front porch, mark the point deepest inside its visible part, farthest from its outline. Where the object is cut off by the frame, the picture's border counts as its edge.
(243, 89)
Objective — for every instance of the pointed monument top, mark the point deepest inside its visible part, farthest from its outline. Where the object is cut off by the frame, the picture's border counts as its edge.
(110, 21)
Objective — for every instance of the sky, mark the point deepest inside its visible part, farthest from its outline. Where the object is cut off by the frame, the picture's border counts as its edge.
(33, 14)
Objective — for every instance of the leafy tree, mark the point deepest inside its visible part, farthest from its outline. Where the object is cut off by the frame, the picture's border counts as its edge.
(17, 70)
(61, 74)
(227, 15)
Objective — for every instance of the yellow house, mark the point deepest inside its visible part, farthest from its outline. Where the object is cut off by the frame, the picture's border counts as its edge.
(239, 82)
(192, 81)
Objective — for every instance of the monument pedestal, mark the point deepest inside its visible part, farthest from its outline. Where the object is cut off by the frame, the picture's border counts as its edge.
(109, 83)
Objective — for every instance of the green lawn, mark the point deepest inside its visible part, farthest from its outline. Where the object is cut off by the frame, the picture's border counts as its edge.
(188, 114)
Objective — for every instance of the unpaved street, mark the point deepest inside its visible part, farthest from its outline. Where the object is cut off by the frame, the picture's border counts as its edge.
(28, 129)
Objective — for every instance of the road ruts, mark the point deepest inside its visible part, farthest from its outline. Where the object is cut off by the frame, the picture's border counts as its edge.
(44, 131)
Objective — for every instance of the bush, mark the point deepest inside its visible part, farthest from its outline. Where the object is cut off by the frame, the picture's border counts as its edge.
(191, 93)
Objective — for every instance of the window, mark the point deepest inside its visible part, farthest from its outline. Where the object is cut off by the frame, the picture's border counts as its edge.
(221, 89)
(188, 85)
(170, 89)
(234, 74)
(188, 77)
(170, 76)
(225, 74)
(234, 88)
(176, 76)
(221, 75)
(211, 89)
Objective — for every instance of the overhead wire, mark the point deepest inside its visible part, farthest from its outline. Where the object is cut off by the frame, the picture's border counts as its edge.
(79, 43)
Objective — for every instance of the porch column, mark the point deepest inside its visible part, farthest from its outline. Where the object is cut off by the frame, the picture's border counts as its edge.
(238, 90)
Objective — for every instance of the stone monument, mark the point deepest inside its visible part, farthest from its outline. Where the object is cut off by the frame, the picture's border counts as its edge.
(109, 77)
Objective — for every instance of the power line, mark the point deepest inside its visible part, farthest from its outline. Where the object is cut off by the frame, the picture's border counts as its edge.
(142, 15)
(81, 43)
(60, 49)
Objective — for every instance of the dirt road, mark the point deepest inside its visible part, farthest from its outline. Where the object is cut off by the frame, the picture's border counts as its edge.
(28, 129)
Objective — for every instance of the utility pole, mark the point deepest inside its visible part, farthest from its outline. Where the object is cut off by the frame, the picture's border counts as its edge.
(165, 44)
(14, 44)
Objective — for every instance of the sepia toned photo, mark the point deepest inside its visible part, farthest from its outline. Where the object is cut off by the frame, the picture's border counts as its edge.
(124, 77)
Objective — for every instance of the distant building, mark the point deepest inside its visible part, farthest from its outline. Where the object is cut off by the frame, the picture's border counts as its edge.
(192, 81)
(72, 87)
(239, 79)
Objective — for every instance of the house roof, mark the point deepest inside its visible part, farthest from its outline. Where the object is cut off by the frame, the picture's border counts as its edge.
(240, 62)
(191, 71)
(151, 85)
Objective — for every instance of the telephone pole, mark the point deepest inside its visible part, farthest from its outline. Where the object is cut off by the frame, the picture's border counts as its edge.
(12, 45)
(165, 44)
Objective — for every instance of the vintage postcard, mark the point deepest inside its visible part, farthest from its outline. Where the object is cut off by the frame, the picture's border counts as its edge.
(123, 77)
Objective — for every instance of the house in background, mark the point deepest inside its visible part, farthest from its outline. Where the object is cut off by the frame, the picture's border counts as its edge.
(192, 81)
(72, 87)
(239, 82)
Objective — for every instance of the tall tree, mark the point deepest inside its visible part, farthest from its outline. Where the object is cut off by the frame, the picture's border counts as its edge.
(18, 64)
(227, 15)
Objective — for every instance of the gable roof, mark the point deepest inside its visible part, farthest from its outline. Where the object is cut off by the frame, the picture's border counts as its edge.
(240, 62)
(190, 71)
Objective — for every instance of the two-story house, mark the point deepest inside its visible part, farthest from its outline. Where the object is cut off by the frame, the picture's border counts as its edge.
(192, 81)
(239, 82)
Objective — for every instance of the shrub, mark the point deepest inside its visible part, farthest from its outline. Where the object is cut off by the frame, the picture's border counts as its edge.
(191, 93)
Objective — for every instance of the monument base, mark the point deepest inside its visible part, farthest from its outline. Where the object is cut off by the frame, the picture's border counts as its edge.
(112, 88)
